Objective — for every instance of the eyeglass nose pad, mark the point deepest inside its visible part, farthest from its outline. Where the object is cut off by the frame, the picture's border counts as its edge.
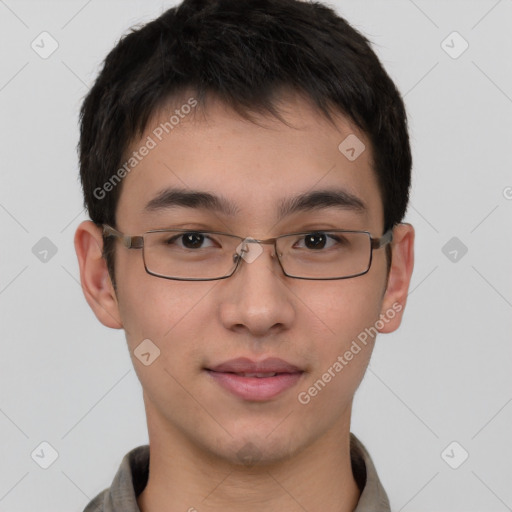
(249, 249)
(239, 251)
(238, 256)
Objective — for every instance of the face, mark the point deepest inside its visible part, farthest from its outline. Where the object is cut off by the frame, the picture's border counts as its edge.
(258, 313)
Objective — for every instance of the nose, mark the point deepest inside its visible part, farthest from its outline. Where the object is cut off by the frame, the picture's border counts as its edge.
(250, 248)
(257, 298)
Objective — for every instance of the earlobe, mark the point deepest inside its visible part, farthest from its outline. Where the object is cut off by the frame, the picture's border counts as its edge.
(402, 264)
(94, 277)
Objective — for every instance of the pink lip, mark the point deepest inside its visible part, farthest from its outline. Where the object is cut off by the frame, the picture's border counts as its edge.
(256, 389)
(245, 365)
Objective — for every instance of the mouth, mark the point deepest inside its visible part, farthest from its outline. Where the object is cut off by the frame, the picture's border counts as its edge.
(257, 382)
(257, 375)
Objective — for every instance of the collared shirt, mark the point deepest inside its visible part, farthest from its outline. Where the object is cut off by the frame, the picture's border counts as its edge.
(132, 477)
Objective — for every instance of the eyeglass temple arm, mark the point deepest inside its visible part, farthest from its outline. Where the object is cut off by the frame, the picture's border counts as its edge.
(385, 239)
(130, 242)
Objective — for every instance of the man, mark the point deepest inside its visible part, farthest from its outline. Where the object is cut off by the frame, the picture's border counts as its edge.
(246, 166)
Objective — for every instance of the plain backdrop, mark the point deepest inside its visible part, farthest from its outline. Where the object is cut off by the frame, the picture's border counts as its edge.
(437, 391)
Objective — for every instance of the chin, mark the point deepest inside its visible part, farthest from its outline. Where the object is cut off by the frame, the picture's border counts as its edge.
(257, 451)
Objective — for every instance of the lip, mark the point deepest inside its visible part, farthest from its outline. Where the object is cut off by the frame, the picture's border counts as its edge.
(246, 365)
(257, 389)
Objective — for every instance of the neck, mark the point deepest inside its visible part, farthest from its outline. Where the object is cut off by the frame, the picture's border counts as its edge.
(184, 477)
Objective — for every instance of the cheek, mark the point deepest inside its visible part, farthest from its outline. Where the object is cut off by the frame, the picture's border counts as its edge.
(161, 310)
(167, 314)
(342, 309)
(345, 313)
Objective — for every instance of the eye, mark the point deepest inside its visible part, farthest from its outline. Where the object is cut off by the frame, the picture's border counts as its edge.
(191, 240)
(321, 240)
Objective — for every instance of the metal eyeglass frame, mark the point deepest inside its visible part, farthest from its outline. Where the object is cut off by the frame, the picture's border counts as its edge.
(137, 242)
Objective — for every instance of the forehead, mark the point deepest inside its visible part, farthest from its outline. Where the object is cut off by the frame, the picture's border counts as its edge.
(212, 159)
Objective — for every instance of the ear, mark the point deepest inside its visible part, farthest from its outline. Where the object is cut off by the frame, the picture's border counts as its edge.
(96, 283)
(402, 263)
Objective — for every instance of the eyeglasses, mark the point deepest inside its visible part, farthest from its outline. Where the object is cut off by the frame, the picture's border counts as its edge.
(191, 255)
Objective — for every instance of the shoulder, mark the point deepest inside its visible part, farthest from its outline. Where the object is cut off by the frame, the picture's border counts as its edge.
(128, 483)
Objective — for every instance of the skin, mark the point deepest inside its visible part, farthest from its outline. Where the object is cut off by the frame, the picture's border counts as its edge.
(196, 428)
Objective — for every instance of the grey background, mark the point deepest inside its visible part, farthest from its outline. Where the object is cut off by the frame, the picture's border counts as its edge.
(443, 377)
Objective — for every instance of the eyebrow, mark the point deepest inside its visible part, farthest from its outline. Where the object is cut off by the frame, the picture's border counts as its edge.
(315, 200)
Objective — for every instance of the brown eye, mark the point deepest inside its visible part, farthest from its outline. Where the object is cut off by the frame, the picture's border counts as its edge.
(191, 240)
(321, 240)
